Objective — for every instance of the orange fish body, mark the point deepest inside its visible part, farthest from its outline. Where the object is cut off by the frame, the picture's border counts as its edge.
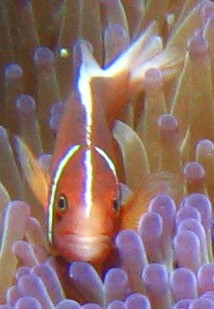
(83, 199)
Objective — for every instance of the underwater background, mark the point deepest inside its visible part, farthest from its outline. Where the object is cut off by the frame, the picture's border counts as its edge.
(164, 252)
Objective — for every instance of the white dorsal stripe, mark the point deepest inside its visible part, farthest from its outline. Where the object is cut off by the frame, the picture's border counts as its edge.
(86, 100)
(89, 175)
(88, 181)
(71, 151)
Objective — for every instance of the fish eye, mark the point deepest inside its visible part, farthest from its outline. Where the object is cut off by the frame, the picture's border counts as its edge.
(62, 203)
(116, 205)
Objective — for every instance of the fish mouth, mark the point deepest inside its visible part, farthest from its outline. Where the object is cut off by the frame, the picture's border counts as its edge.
(83, 248)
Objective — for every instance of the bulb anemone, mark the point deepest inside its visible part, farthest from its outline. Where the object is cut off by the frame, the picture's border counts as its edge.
(163, 52)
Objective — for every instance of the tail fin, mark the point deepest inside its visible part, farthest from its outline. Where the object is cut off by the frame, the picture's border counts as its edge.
(112, 85)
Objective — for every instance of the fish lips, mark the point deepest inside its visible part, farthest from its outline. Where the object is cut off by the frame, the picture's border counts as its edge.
(75, 247)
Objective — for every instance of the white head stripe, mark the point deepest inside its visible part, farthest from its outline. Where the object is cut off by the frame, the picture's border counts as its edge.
(71, 151)
(108, 160)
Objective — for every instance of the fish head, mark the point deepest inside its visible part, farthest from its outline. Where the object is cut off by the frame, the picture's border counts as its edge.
(84, 206)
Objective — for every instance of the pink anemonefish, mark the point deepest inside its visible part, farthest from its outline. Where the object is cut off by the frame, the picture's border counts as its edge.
(84, 196)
